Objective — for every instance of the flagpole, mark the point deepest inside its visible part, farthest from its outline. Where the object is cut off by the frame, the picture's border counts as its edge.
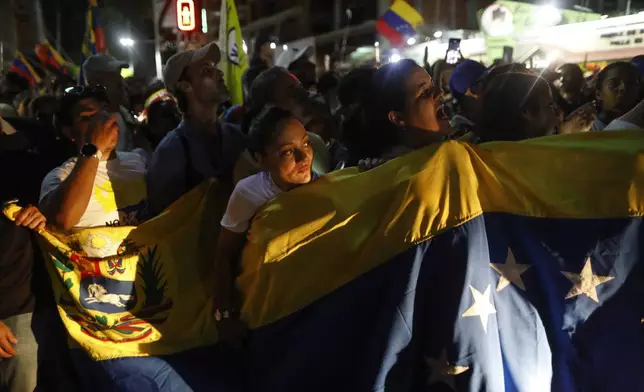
(157, 40)
(58, 44)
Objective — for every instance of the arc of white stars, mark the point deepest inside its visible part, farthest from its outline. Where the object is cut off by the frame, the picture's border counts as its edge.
(585, 282)
(442, 371)
(510, 272)
(482, 306)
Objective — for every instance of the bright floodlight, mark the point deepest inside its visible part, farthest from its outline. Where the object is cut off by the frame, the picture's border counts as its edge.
(394, 58)
(548, 15)
(273, 46)
(438, 34)
(411, 41)
(127, 42)
(376, 44)
(285, 47)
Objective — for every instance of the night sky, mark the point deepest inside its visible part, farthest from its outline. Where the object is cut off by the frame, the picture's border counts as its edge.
(115, 15)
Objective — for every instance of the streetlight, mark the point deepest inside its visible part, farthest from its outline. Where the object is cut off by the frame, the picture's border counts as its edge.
(273, 45)
(127, 42)
(548, 15)
(284, 47)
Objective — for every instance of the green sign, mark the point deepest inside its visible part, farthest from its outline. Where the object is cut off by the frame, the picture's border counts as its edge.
(504, 22)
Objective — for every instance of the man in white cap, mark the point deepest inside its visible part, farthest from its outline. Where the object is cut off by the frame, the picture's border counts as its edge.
(103, 70)
(202, 146)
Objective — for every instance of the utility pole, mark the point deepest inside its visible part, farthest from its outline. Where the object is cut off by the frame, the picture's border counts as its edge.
(58, 27)
(27, 23)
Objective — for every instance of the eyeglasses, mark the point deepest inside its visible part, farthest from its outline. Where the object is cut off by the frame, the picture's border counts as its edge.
(96, 92)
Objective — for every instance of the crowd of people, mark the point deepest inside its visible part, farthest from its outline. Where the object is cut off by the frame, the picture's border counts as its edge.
(90, 157)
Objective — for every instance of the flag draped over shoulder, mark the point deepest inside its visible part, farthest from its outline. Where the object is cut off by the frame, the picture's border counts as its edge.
(21, 66)
(94, 38)
(400, 21)
(234, 61)
(500, 267)
(152, 299)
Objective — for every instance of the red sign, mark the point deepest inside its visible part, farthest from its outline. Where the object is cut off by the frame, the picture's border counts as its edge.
(186, 15)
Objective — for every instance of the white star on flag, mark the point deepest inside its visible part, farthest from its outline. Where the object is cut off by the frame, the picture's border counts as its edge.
(442, 371)
(510, 272)
(482, 306)
(585, 282)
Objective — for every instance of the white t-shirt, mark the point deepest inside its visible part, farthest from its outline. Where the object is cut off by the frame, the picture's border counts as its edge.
(249, 195)
(119, 196)
(618, 124)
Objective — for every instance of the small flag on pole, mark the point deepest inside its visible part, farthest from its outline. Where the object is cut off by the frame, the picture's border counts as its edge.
(400, 21)
(234, 61)
(50, 58)
(94, 39)
(20, 66)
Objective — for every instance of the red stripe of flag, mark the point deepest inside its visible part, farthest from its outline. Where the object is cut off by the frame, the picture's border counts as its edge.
(19, 68)
(388, 32)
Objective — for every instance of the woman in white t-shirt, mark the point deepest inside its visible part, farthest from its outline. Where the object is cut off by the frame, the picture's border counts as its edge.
(280, 144)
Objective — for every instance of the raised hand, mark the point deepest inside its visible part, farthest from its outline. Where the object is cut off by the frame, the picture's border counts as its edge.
(103, 132)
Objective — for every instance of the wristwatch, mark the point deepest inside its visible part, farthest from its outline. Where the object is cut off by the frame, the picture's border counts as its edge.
(222, 314)
(90, 150)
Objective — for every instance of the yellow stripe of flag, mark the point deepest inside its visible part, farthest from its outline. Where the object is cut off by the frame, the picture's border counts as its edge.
(33, 73)
(408, 13)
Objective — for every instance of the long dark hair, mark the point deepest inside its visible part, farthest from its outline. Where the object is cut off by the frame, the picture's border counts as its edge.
(388, 94)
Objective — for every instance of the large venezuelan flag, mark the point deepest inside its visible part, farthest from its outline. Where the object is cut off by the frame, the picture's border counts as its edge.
(500, 267)
(400, 21)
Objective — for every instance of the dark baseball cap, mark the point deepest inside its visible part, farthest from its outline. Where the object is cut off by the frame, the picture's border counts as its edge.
(465, 75)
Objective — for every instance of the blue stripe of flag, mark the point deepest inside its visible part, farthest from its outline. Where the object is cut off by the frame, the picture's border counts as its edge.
(22, 66)
(95, 22)
(399, 24)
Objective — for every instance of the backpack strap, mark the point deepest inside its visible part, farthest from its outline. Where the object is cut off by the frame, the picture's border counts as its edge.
(192, 178)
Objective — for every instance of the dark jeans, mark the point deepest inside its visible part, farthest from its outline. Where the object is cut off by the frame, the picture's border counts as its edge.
(20, 372)
(212, 368)
(42, 362)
